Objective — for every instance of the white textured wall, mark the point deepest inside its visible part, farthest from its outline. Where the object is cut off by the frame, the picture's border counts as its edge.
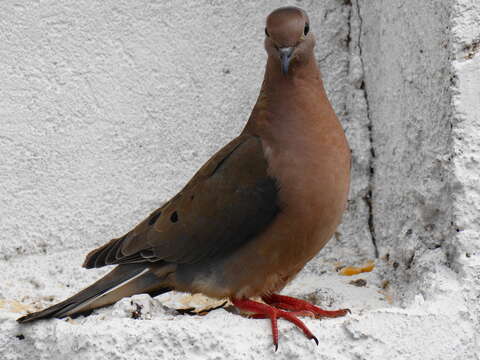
(406, 56)
(108, 108)
(465, 245)
(422, 86)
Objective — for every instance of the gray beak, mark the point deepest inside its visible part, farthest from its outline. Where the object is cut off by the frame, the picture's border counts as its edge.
(285, 57)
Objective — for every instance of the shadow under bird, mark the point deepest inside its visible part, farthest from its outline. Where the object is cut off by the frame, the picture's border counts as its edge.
(255, 213)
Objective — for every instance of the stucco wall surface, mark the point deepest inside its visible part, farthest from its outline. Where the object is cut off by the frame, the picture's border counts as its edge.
(406, 56)
(108, 107)
(465, 246)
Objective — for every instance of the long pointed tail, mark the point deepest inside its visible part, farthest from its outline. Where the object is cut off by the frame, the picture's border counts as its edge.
(124, 280)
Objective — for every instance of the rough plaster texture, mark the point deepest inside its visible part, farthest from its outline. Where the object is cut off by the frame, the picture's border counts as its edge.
(107, 108)
(405, 52)
(465, 246)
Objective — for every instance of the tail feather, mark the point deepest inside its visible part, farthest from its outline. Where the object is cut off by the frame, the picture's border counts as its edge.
(96, 258)
(124, 280)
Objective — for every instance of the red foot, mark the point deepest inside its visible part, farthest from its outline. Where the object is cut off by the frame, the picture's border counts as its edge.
(260, 310)
(292, 304)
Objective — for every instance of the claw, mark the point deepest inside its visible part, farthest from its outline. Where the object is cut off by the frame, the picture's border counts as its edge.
(297, 305)
(262, 311)
(288, 308)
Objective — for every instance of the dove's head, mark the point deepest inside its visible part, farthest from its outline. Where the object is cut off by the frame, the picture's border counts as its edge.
(288, 37)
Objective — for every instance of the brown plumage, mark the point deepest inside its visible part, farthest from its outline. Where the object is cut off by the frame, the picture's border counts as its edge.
(256, 212)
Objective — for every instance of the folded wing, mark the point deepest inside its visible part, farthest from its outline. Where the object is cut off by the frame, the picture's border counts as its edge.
(229, 201)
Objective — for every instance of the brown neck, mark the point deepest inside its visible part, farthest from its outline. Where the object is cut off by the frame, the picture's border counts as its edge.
(282, 93)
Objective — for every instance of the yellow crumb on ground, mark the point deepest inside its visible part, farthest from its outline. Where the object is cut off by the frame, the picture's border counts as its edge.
(388, 296)
(14, 306)
(71, 321)
(350, 270)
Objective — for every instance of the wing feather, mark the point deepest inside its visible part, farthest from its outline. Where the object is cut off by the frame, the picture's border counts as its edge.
(229, 201)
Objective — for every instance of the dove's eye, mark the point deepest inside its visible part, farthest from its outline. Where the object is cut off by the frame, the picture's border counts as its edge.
(266, 33)
(306, 29)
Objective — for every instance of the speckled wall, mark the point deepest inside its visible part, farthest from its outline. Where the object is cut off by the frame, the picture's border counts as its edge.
(108, 107)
